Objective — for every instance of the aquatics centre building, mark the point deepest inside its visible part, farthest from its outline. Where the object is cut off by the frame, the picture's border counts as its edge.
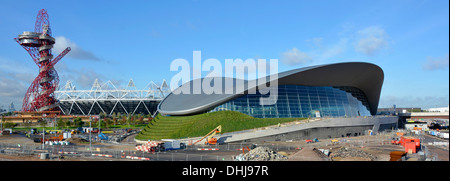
(344, 96)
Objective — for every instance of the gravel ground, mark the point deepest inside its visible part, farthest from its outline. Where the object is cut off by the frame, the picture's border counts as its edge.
(261, 154)
(378, 147)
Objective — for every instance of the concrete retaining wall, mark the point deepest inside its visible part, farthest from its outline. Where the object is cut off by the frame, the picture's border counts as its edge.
(321, 129)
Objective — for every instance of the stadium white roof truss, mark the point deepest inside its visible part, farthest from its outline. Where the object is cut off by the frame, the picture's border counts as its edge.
(109, 99)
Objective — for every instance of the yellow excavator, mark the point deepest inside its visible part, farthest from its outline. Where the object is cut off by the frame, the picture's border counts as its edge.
(210, 135)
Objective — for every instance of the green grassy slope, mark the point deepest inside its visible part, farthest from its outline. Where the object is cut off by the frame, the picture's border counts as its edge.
(174, 127)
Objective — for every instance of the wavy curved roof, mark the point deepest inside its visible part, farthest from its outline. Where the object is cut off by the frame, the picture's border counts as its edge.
(365, 76)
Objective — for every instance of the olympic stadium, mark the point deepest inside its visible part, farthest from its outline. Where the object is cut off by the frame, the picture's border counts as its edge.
(107, 98)
(344, 96)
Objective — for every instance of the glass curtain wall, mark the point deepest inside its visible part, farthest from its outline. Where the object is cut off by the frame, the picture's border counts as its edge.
(303, 101)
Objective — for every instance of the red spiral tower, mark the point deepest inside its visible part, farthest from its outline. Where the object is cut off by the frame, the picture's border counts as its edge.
(39, 44)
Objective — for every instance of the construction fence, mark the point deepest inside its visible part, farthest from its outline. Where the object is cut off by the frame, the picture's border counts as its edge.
(77, 152)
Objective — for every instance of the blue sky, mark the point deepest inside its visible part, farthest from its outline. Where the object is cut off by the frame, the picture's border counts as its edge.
(120, 40)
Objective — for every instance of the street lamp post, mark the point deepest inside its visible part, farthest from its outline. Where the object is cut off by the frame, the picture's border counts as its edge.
(90, 145)
(43, 138)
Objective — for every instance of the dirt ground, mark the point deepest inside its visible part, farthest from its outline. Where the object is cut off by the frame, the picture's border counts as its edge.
(378, 146)
(370, 144)
(16, 139)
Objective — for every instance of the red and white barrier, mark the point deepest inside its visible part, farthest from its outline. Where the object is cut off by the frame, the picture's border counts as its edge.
(65, 152)
(137, 158)
(203, 149)
(147, 146)
(129, 157)
(143, 148)
(102, 155)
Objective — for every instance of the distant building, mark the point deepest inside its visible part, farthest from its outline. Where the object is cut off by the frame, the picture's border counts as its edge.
(438, 109)
(396, 110)
(11, 107)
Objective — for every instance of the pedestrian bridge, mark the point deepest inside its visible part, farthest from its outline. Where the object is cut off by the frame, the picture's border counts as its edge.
(425, 115)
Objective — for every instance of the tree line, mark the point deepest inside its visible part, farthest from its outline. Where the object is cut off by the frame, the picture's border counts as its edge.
(103, 121)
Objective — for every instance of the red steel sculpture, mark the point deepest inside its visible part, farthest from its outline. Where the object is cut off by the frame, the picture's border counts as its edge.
(39, 44)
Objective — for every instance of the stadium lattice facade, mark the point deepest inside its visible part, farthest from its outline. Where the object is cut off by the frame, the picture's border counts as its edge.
(108, 99)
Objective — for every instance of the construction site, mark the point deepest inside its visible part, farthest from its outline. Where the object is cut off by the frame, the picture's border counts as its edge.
(51, 127)
(120, 145)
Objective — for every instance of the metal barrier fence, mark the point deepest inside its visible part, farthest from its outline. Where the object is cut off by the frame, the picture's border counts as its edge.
(190, 153)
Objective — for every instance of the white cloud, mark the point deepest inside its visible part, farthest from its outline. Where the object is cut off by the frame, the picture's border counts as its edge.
(295, 57)
(334, 49)
(82, 77)
(76, 52)
(317, 42)
(440, 63)
(371, 40)
(86, 79)
(12, 89)
(15, 78)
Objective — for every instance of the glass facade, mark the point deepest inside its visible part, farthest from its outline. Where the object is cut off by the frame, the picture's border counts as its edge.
(303, 101)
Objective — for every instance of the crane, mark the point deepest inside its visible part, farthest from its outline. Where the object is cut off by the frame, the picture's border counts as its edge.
(210, 135)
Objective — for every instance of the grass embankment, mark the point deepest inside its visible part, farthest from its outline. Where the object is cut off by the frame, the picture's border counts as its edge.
(175, 127)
